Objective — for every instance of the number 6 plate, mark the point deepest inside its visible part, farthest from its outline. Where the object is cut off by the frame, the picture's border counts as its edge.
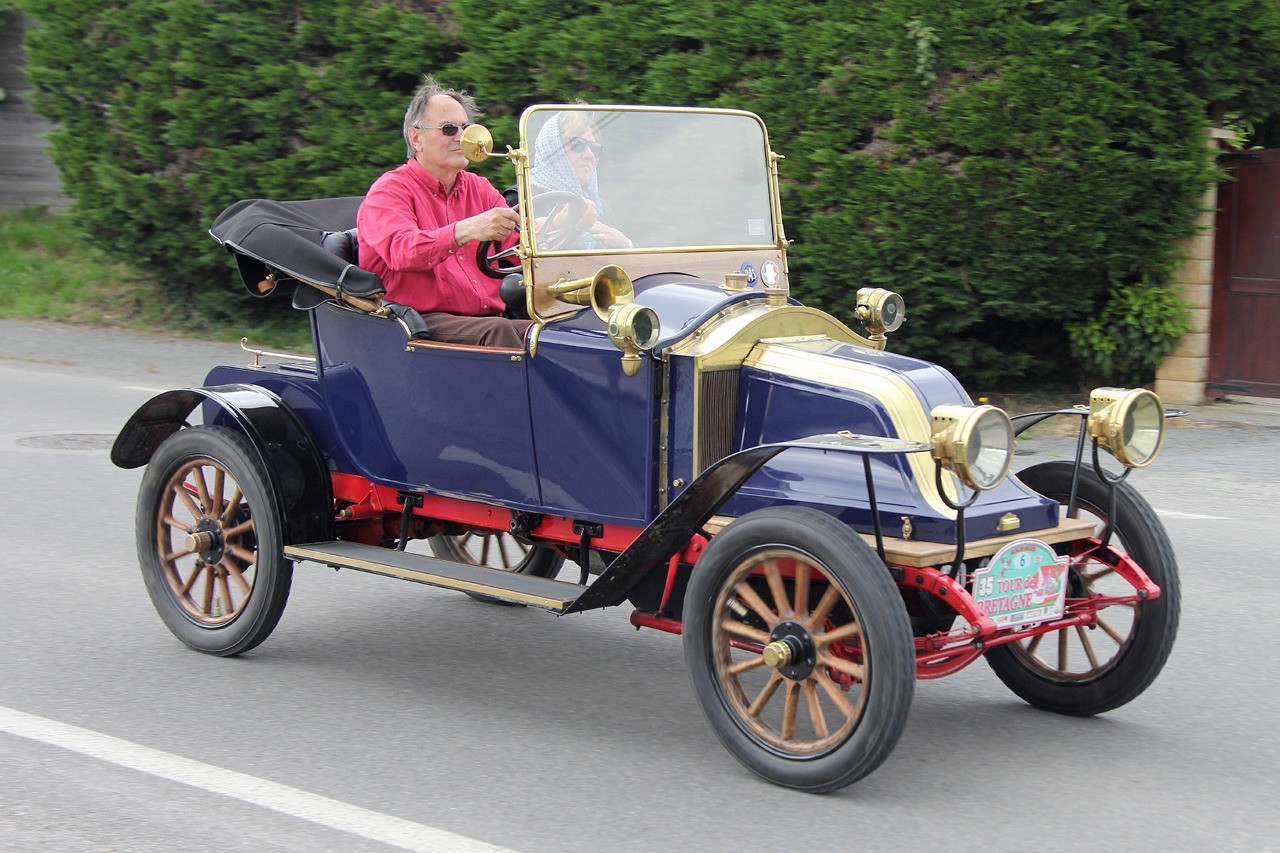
(1025, 582)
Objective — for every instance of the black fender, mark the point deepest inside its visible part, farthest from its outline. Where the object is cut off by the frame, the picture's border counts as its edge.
(297, 472)
(685, 516)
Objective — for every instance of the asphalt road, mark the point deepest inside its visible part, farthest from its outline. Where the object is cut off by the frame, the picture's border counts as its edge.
(384, 713)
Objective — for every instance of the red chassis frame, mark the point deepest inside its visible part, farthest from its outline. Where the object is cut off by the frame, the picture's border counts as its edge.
(367, 509)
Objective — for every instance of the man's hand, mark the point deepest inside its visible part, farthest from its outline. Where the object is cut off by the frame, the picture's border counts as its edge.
(493, 224)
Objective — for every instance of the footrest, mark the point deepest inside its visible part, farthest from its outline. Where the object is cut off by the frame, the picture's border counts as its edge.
(539, 592)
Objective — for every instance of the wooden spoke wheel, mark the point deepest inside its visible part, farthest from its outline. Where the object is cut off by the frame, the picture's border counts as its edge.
(210, 542)
(799, 648)
(497, 550)
(1084, 670)
(794, 679)
(206, 542)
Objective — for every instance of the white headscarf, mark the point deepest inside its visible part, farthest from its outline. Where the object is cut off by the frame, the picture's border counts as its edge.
(552, 170)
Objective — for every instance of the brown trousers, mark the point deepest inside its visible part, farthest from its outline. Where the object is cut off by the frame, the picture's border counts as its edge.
(477, 331)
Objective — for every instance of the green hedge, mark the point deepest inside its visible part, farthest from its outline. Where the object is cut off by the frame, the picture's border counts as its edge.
(170, 110)
(1008, 165)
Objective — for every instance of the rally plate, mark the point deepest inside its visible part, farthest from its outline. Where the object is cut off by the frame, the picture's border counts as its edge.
(1025, 583)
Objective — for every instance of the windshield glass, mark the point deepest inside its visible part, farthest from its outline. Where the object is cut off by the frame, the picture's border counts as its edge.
(606, 179)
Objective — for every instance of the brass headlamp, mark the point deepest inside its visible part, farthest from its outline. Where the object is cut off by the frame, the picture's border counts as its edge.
(974, 442)
(1128, 424)
(881, 311)
(633, 328)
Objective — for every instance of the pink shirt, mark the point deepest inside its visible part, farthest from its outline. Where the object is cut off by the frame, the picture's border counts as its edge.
(405, 232)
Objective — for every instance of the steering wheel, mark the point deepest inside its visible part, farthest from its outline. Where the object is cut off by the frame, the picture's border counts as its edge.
(499, 265)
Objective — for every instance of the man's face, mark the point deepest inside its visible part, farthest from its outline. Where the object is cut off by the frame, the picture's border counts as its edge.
(439, 154)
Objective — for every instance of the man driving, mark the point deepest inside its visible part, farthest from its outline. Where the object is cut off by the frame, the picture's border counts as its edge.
(419, 224)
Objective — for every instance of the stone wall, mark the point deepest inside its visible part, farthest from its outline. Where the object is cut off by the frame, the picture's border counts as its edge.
(28, 177)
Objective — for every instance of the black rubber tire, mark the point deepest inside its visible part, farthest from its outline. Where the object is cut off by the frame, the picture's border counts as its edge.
(540, 561)
(866, 737)
(259, 610)
(1139, 658)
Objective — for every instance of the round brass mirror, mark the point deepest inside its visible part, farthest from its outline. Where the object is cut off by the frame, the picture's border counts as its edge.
(477, 143)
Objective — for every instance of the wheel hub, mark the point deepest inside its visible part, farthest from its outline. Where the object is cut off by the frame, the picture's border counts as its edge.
(791, 650)
(207, 541)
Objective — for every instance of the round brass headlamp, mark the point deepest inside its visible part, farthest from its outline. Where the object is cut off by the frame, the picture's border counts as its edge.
(881, 311)
(974, 442)
(633, 328)
(1129, 424)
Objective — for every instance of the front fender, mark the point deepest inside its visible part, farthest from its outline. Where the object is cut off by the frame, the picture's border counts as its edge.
(289, 455)
(686, 515)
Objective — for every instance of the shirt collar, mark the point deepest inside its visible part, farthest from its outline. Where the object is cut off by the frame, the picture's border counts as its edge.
(430, 182)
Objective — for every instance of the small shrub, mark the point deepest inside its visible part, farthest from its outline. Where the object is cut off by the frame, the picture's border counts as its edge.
(1140, 324)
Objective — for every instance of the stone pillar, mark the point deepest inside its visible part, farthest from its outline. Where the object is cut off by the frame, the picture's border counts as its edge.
(1181, 378)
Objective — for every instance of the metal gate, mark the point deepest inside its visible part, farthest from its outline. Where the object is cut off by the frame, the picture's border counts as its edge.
(1244, 330)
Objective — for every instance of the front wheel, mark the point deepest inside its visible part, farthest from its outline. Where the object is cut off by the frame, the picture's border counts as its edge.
(799, 648)
(210, 541)
(1084, 671)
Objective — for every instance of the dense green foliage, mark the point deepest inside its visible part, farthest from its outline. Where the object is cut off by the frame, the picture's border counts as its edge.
(1008, 165)
(172, 109)
(1140, 324)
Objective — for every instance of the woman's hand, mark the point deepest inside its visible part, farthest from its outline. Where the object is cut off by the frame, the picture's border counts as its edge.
(575, 218)
(609, 238)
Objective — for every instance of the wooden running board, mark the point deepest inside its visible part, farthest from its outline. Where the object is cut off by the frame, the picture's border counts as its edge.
(524, 589)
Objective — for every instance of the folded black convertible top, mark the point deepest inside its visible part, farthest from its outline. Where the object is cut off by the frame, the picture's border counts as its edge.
(286, 236)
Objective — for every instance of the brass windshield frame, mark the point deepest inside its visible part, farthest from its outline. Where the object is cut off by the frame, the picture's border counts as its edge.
(520, 158)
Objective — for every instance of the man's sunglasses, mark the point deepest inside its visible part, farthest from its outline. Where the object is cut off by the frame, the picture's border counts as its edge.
(577, 145)
(448, 128)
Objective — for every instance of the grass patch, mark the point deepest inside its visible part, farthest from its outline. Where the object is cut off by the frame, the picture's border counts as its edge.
(49, 271)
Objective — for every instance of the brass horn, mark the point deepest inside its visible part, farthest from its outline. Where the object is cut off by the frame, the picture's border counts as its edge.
(608, 287)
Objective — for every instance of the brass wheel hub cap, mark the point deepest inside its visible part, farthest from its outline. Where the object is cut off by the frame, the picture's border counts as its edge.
(206, 540)
(791, 650)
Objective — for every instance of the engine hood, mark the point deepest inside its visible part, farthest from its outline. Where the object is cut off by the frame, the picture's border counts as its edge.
(793, 387)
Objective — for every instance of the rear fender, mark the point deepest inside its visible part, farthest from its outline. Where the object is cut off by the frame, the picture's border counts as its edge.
(299, 478)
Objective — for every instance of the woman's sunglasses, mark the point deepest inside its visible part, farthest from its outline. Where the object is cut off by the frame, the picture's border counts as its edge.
(577, 145)
(448, 128)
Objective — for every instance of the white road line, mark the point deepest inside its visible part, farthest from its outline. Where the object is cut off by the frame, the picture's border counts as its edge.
(239, 786)
(1190, 516)
(145, 388)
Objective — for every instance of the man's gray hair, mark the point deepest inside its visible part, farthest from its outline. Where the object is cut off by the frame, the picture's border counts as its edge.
(429, 89)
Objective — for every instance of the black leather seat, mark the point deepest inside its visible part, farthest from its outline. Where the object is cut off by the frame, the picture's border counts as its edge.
(343, 244)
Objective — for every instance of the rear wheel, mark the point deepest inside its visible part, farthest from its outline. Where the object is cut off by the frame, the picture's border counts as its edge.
(1083, 671)
(799, 648)
(497, 550)
(210, 543)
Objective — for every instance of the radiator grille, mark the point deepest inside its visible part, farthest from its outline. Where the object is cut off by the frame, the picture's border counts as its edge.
(717, 408)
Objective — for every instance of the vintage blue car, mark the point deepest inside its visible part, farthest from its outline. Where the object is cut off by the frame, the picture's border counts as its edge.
(822, 520)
